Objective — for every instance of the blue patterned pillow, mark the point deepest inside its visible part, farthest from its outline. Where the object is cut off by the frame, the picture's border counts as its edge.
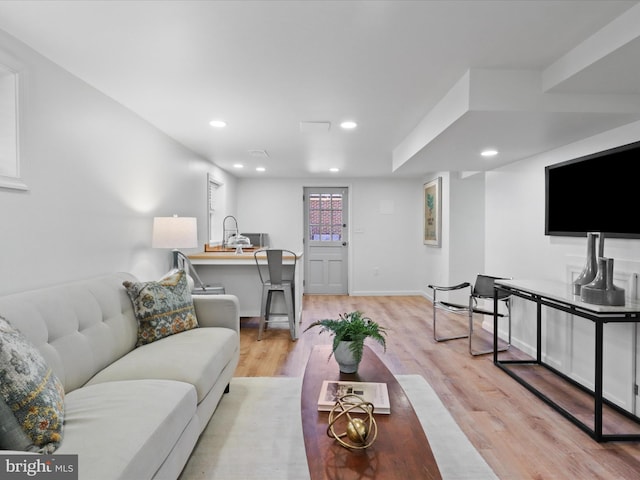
(29, 389)
(12, 436)
(162, 308)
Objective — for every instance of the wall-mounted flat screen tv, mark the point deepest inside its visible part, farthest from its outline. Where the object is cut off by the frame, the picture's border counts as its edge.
(595, 193)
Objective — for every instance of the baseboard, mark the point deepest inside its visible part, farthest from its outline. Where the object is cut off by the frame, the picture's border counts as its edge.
(401, 293)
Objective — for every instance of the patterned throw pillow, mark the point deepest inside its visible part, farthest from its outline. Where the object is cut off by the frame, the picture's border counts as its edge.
(29, 389)
(12, 436)
(162, 308)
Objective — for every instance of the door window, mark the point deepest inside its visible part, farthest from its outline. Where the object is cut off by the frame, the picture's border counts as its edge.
(325, 217)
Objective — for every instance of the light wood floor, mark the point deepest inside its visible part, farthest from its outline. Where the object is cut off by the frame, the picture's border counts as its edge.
(517, 434)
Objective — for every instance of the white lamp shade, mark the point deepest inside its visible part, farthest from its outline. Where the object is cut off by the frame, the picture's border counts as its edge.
(175, 232)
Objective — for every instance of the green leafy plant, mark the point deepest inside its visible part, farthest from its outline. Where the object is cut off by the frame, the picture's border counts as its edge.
(431, 203)
(352, 327)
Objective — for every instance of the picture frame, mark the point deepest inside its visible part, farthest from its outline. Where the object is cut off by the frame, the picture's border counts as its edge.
(432, 212)
(9, 125)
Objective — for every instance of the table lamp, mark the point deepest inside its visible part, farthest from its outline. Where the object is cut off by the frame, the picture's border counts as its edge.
(175, 233)
(180, 232)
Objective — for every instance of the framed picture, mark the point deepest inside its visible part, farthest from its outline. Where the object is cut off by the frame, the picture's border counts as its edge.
(9, 158)
(432, 209)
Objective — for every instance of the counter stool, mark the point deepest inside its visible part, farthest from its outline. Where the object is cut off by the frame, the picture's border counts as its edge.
(272, 277)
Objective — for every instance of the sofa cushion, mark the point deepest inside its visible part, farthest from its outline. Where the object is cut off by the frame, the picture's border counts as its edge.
(30, 389)
(78, 327)
(196, 357)
(162, 308)
(147, 417)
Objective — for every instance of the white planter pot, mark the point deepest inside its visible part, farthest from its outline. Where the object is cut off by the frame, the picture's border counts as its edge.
(344, 357)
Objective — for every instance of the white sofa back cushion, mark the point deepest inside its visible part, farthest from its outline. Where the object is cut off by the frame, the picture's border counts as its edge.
(79, 327)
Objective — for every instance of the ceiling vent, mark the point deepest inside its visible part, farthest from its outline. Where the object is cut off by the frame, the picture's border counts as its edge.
(259, 153)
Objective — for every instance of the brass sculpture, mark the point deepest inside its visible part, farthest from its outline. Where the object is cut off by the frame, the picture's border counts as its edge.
(359, 432)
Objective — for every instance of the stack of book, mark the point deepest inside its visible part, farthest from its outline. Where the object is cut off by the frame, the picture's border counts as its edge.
(372, 392)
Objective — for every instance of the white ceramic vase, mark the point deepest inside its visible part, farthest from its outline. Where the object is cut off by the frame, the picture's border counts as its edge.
(344, 357)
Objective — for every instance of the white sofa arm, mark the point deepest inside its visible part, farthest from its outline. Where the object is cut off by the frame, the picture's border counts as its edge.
(218, 311)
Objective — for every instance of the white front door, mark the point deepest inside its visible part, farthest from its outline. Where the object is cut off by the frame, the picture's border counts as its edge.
(325, 240)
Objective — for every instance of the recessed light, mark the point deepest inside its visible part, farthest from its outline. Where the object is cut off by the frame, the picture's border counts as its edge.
(238, 165)
(260, 169)
(490, 152)
(218, 123)
(334, 169)
(348, 125)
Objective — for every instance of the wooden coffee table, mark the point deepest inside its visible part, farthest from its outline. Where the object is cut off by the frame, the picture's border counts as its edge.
(401, 450)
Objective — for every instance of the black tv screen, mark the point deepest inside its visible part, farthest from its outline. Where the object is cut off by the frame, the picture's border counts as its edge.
(595, 193)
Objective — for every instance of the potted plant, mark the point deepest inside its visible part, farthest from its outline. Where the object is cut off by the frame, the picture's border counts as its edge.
(349, 331)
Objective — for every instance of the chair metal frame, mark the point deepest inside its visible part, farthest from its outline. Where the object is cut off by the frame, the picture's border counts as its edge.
(201, 288)
(481, 290)
(272, 279)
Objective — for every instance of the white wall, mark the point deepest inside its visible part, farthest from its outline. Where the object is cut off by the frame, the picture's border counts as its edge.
(461, 254)
(467, 227)
(515, 239)
(387, 220)
(97, 175)
(516, 245)
(385, 226)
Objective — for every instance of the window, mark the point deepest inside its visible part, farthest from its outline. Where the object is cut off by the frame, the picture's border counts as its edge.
(213, 187)
(325, 217)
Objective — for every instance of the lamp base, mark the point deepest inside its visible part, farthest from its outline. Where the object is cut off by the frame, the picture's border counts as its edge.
(175, 255)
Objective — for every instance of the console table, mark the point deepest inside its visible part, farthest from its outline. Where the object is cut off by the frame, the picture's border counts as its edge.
(559, 296)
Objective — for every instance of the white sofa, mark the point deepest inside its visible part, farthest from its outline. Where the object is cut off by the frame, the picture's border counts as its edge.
(130, 413)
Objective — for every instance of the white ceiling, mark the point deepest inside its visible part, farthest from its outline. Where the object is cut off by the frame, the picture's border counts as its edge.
(430, 83)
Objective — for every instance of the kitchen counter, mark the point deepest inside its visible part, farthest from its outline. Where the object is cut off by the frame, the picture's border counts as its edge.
(239, 275)
(229, 257)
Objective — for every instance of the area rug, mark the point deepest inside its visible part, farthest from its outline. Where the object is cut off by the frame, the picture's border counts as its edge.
(256, 433)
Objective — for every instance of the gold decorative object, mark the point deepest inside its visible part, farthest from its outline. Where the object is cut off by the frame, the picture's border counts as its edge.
(360, 432)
